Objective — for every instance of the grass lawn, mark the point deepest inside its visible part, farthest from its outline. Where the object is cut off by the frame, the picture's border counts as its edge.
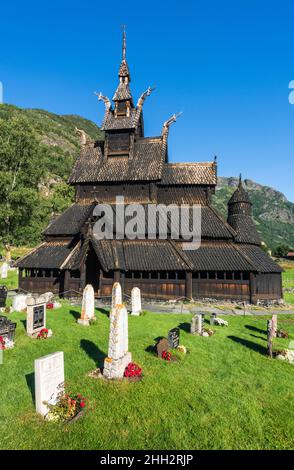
(225, 394)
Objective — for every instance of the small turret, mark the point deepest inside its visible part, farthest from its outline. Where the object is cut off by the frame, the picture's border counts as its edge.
(240, 216)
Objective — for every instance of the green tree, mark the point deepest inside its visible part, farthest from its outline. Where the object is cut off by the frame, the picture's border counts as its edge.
(281, 251)
(21, 167)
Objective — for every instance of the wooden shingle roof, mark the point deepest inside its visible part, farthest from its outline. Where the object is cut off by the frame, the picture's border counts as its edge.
(203, 173)
(49, 255)
(71, 220)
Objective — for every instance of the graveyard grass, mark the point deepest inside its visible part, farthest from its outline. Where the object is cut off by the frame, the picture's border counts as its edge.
(225, 394)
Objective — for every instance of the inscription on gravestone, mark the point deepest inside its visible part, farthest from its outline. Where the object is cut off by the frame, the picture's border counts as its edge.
(174, 338)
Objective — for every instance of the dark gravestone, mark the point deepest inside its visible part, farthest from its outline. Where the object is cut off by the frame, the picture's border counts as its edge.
(39, 315)
(174, 338)
(7, 328)
(161, 346)
(3, 296)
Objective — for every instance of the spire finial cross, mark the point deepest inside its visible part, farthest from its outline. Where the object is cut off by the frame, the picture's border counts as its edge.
(124, 41)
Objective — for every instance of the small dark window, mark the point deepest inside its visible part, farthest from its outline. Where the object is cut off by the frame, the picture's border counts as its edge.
(237, 275)
(163, 275)
(55, 272)
(181, 275)
(220, 275)
(246, 276)
(203, 275)
(211, 275)
(154, 275)
(137, 275)
(229, 275)
(172, 275)
(129, 274)
(145, 275)
(75, 274)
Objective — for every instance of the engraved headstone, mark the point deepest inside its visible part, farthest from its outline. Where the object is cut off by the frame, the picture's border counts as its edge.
(88, 306)
(118, 355)
(36, 315)
(136, 301)
(197, 324)
(174, 338)
(116, 295)
(4, 270)
(49, 380)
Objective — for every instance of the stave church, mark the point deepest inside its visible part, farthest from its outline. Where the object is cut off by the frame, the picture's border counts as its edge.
(229, 263)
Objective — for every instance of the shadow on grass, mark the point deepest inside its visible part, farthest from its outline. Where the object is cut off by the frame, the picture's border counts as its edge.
(93, 352)
(30, 379)
(254, 328)
(185, 327)
(258, 337)
(75, 314)
(104, 311)
(24, 324)
(150, 349)
(249, 344)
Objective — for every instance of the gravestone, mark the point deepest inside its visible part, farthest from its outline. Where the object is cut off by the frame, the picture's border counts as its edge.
(7, 328)
(116, 295)
(49, 380)
(118, 355)
(270, 335)
(212, 318)
(36, 315)
(174, 338)
(19, 302)
(88, 306)
(136, 301)
(197, 324)
(161, 346)
(3, 296)
(275, 325)
(4, 270)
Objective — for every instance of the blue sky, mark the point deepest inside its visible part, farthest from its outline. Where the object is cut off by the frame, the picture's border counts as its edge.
(226, 64)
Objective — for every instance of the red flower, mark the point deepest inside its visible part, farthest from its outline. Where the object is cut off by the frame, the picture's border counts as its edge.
(82, 404)
(166, 355)
(133, 370)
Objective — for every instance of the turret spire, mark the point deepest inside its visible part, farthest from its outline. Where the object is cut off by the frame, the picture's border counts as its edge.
(124, 42)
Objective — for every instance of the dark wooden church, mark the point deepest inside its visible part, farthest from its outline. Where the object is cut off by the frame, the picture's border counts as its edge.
(229, 264)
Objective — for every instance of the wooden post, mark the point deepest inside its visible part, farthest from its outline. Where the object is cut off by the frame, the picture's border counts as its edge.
(189, 285)
(270, 338)
(252, 287)
(116, 276)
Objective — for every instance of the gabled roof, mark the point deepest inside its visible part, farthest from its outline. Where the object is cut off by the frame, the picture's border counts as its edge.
(49, 255)
(189, 173)
(71, 220)
(259, 259)
(145, 165)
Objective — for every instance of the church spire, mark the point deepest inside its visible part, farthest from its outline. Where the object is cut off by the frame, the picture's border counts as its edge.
(124, 73)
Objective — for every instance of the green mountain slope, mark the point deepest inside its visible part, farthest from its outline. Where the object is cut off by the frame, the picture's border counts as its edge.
(60, 145)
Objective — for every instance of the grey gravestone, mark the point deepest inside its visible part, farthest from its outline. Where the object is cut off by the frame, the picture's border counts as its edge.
(174, 338)
(3, 296)
(197, 324)
(36, 315)
(7, 328)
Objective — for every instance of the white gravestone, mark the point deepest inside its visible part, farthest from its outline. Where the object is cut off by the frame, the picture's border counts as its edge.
(4, 270)
(136, 301)
(197, 325)
(88, 306)
(116, 295)
(49, 380)
(118, 355)
(19, 302)
(36, 315)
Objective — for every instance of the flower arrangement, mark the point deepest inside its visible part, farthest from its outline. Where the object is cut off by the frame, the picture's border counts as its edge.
(43, 334)
(220, 322)
(67, 407)
(6, 343)
(182, 349)
(166, 355)
(50, 305)
(133, 370)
